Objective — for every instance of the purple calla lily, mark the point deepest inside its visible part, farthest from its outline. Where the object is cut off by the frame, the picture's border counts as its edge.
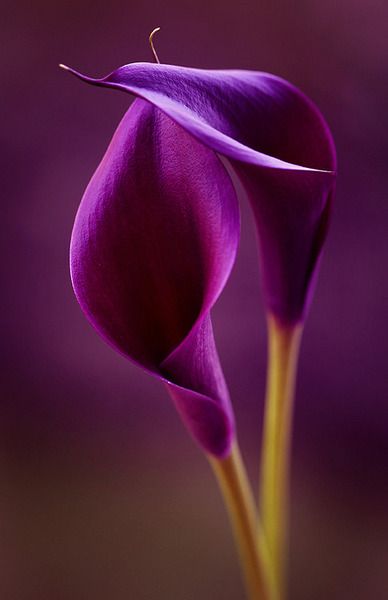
(157, 230)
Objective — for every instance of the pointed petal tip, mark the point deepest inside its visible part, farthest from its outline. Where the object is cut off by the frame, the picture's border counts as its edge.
(77, 74)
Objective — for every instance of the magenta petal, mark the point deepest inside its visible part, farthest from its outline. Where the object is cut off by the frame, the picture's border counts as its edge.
(194, 365)
(278, 144)
(153, 243)
(292, 213)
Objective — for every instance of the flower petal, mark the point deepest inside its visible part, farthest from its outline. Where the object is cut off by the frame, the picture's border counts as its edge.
(279, 146)
(153, 243)
(292, 213)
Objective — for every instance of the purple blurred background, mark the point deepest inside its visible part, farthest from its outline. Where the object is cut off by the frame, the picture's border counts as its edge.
(102, 493)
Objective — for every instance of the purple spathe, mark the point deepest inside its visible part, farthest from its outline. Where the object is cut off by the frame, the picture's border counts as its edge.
(153, 243)
(157, 230)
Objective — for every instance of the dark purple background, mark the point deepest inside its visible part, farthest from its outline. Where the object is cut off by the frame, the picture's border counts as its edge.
(102, 493)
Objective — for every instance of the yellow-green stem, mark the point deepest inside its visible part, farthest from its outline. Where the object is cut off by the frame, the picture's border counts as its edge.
(237, 494)
(283, 352)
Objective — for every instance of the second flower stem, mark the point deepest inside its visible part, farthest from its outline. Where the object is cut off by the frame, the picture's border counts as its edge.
(283, 352)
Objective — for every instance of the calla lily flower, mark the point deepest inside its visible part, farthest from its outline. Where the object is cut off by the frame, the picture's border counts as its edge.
(157, 230)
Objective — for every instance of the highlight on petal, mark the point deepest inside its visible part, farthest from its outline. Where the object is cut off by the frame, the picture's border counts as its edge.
(153, 243)
(279, 146)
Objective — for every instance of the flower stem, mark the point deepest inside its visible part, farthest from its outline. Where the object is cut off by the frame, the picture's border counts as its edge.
(237, 494)
(283, 352)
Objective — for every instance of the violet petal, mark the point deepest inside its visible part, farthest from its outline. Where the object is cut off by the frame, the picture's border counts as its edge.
(153, 244)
